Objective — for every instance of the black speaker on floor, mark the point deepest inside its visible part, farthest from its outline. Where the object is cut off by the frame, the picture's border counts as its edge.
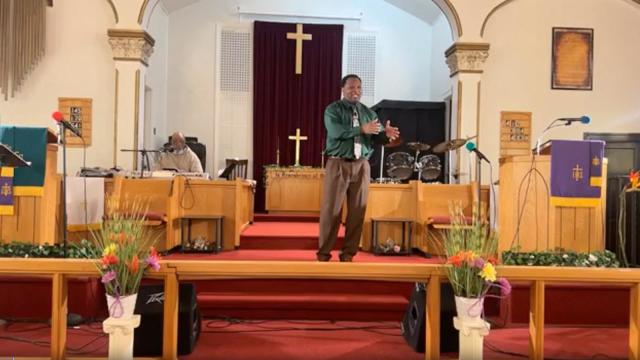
(413, 326)
(147, 339)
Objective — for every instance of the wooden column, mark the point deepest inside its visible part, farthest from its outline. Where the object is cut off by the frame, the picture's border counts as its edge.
(432, 329)
(536, 320)
(59, 316)
(170, 328)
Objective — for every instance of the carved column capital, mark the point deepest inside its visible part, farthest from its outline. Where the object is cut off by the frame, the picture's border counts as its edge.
(131, 45)
(466, 57)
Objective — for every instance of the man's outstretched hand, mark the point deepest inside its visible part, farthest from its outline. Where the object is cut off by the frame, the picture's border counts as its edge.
(391, 132)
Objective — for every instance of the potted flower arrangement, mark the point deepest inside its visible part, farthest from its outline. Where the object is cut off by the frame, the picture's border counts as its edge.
(125, 245)
(471, 258)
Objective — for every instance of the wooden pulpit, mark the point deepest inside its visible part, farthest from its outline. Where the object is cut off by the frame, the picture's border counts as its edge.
(35, 219)
(528, 221)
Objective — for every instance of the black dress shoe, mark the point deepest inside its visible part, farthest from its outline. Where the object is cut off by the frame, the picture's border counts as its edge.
(346, 259)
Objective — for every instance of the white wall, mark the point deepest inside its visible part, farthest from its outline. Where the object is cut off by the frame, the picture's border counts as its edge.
(441, 40)
(78, 63)
(156, 78)
(403, 67)
(517, 74)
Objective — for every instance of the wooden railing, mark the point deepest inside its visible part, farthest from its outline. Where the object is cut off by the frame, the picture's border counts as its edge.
(174, 270)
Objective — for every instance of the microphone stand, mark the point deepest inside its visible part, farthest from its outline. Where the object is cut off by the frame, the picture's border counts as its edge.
(549, 127)
(479, 180)
(63, 141)
(145, 158)
(381, 164)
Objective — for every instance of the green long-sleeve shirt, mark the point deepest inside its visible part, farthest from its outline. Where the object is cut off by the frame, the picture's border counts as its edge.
(341, 132)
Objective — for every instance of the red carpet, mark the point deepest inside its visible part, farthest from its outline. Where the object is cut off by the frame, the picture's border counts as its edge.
(303, 298)
(324, 340)
(284, 235)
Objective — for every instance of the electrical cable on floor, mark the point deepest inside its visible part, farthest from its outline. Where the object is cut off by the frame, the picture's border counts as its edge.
(45, 343)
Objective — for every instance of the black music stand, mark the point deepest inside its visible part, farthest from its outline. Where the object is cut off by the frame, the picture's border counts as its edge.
(9, 158)
(226, 173)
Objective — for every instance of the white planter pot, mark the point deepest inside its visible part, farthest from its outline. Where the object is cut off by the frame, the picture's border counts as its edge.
(469, 308)
(123, 307)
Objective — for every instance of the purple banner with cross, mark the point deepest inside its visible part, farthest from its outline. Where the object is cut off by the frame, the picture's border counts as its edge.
(6, 191)
(576, 172)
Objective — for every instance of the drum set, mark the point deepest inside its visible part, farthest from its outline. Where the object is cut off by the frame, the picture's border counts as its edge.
(402, 165)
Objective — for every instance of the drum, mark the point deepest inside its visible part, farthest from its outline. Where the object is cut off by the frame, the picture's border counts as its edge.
(400, 165)
(430, 165)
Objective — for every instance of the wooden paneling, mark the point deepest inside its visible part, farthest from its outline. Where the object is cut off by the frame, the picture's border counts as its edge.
(231, 199)
(180, 197)
(388, 201)
(527, 219)
(35, 218)
(293, 190)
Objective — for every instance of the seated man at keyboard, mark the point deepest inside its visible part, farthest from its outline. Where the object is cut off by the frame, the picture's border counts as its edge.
(179, 157)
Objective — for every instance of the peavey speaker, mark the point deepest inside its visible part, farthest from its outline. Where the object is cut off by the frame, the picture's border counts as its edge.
(147, 339)
(413, 326)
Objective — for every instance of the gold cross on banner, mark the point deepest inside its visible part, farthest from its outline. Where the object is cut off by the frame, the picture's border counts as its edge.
(6, 190)
(297, 138)
(576, 173)
(595, 161)
(298, 36)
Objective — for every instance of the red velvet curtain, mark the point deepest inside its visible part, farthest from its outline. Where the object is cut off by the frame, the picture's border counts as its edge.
(284, 100)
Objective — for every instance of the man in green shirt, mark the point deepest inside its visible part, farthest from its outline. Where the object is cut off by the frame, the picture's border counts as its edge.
(351, 130)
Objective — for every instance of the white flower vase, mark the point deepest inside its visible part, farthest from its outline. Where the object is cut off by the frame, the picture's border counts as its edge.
(472, 328)
(469, 309)
(122, 307)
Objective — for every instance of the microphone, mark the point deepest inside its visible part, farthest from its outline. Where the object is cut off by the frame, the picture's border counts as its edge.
(57, 116)
(583, 119)
(472, 147)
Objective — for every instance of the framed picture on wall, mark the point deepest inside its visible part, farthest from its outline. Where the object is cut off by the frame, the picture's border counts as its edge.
(572, 59)
(78, 111)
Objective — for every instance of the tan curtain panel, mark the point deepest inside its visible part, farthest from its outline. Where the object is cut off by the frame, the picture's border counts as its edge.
(22, 41)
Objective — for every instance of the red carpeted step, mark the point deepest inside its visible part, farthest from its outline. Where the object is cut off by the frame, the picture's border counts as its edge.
(284, 235)
(307, 306)
(298, 286)
(572, 303)
(285, 218)
(304, 299)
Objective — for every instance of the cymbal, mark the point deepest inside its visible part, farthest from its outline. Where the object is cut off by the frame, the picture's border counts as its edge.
(394, 143)
(418, 146)
(449, 145)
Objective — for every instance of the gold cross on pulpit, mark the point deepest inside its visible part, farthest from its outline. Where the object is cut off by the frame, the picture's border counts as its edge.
(298, 36)
(576, 173)
(297, 138)
(6, 190)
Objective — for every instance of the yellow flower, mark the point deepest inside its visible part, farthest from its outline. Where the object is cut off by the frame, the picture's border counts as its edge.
(109, 250)
(488, 272)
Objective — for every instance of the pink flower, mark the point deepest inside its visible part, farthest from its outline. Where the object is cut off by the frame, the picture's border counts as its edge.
(108, 276)
(505, 287)
(479, 263)
(154, 261)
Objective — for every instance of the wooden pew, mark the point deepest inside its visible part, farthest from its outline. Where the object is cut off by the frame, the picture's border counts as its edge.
(155, 194)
